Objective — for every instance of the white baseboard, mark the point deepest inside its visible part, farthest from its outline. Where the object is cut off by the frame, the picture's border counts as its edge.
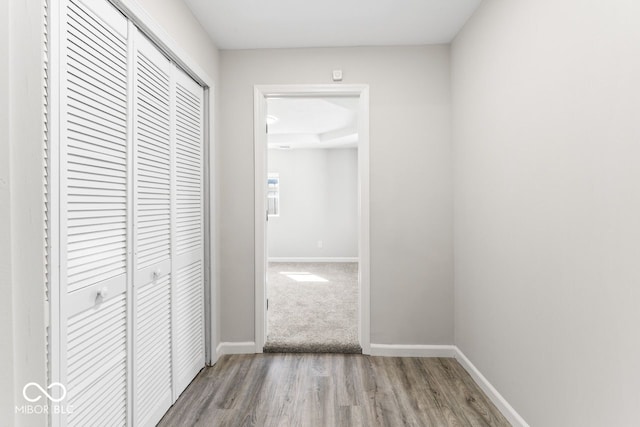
(313, 259)
(248, 347)
(501, 403)
(417, 350)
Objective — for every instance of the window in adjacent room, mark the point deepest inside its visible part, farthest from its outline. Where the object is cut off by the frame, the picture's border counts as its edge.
(273, 194)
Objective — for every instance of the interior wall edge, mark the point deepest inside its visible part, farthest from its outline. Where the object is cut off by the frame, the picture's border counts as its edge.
(25, 189)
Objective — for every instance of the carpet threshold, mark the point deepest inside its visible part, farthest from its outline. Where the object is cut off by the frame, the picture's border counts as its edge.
(312, 348)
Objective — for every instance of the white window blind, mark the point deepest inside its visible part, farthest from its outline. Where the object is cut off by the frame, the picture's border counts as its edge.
(273, 194)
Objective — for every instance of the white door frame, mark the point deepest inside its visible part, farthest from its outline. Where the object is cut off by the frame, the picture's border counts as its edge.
(261, 93)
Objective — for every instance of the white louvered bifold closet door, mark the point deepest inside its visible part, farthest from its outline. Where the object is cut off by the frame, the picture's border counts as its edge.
(131, 212)
(189, 231)
(93, 212)
(152, 381)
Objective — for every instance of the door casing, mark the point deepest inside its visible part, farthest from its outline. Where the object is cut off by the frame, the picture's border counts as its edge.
(261, 94)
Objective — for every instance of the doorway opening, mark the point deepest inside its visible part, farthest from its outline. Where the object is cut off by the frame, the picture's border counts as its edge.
(312, 218)
(312, 231)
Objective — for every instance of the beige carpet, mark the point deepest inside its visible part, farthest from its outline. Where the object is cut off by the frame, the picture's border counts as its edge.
(313, 308)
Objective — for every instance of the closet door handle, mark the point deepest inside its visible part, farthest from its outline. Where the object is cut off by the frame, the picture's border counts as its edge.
(102, 294)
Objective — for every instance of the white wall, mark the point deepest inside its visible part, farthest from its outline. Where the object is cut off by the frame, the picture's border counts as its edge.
(6, 290)
(546, 98)
(21, 201)
(180, 24)
(318, 202)
(411, 197)
(22, 321)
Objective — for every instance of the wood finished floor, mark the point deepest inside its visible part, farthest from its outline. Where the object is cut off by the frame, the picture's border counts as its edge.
(333, 390)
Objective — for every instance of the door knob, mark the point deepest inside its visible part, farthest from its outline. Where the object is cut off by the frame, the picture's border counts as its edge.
(102, 294)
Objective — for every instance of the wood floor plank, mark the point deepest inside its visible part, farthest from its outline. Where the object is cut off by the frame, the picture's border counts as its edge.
(291, 390)
(478, 409)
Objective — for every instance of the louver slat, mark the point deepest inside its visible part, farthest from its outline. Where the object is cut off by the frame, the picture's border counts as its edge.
(188, 225)
(152, 223)
(189, 341)
(96, 353)
(153, 161)
(93, 211)
(153, 351)
(189, 116)
(96, 165)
